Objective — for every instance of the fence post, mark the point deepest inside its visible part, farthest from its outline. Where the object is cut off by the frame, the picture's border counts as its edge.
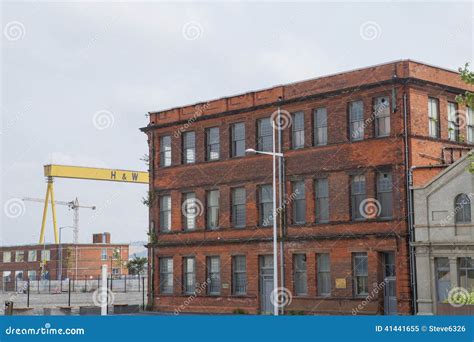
(125, 284)
(104, 307)
(49, 285)
(38, 285)
(143, 291)
(69, 293)
(28, 295)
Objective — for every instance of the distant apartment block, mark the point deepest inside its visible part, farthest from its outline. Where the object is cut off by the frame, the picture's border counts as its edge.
(66, 261)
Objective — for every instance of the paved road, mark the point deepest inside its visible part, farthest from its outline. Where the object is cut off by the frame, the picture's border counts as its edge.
(40, 301)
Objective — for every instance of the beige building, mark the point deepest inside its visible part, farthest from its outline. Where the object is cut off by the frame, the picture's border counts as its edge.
(444, 238)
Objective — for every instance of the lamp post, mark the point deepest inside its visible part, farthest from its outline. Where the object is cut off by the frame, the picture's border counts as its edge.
(274, 154)
(60, 274)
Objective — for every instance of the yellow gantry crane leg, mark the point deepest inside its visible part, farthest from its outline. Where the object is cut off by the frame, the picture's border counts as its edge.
(49, 197)
(79, 172)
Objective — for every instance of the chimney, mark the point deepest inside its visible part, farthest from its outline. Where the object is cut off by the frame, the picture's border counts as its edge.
(101, 238)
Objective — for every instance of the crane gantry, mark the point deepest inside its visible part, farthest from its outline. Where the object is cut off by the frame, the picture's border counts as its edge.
(52, 171)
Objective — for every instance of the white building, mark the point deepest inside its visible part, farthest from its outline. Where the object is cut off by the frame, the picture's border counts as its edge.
(444, 237)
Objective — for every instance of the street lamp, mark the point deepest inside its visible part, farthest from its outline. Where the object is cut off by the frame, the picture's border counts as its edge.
(60, 275)
(274, 154)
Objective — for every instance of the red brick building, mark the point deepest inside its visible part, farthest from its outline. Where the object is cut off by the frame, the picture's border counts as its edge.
(34, 262)
(349, 144)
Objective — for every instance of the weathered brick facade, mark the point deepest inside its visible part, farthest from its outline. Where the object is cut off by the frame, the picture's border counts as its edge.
(406, 83)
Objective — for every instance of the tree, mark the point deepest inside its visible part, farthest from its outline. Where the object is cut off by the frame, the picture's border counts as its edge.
(468, 77)
(137, 265)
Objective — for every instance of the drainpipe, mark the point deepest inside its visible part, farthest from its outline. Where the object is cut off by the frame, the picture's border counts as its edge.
(280, 198)
(409, 189)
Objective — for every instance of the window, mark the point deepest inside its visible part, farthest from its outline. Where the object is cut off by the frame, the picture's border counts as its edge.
(32, 256)
(31, 275)
(357, 196)
(320, 127)
(324, 275)
(356, 120)
(297, 131)
(212, 143)
(265, 135)
(433, 117)
(443, 278)
(452, 121)
(361, 274)
(7, 276)
(299, 203)
(322, 200)
(300, 276)
(115, 271)
(470, 125)
(7, 256)
(166, 275)
(189, 275)
(384, 194)
(45, 255)
(462, 208)
(189, 148)
(165, 213)
(214, 275)
(19, 275)
(213, 209)
(191, 210)
(238, 140)
(19, 256)
(103, 254)
(165, 151)
(266, 205)
(239, 275)
(382, 116)
(238, 207)
(466, 273)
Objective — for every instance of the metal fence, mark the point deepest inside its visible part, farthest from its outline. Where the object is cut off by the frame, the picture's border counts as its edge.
(123, 283)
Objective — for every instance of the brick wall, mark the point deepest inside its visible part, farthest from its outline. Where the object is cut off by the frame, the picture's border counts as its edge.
(338, 161)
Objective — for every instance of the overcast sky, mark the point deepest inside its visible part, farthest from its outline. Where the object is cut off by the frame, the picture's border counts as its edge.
(78, 79)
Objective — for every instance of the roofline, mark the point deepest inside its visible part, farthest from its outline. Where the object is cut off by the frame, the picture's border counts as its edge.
(447, 170)
(305, 80)
(64, 244)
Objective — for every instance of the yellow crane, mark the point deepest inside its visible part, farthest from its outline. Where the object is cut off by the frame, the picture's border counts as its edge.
(52, 171)
(73, 205)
